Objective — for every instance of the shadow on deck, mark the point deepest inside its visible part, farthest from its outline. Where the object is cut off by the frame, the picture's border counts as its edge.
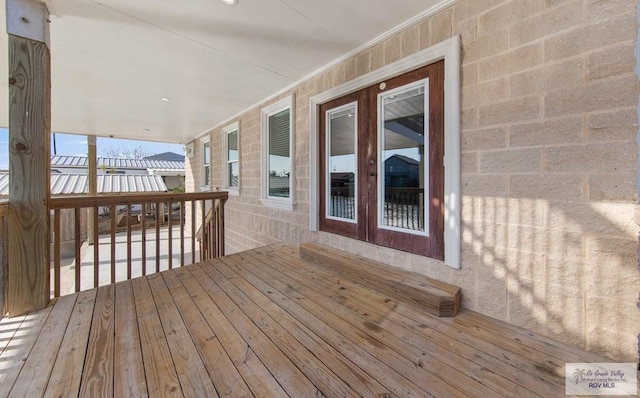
(267, 323)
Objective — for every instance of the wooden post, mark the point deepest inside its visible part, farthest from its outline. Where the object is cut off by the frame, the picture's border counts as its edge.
(27, 286)
(92, 171)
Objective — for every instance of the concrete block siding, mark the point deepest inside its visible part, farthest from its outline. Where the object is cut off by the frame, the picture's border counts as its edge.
(549, 129)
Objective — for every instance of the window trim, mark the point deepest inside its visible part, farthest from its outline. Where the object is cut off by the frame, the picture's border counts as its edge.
(233, 127)
(449, 51)
(203, 142)
(266, 113)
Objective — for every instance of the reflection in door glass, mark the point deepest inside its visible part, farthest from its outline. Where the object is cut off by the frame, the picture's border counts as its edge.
(401, 179)
(341, 163)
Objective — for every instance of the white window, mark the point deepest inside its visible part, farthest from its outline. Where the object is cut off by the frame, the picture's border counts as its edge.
(206, 163)
(278, 168)
(231, 155)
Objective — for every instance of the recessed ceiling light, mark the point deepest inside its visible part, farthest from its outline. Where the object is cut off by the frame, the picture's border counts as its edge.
(230, 2)
(165, 99)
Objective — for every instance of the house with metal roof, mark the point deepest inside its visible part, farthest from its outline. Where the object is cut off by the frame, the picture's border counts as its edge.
(78, 184)
(171, 172)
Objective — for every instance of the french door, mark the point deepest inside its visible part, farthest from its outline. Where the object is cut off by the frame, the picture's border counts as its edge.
(381, 163)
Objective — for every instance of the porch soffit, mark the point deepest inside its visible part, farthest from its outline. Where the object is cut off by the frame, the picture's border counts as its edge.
(114, 61)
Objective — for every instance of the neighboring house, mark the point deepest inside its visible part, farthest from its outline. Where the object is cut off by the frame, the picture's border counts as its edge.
(532, 213)
(169, 166)
(402, 171)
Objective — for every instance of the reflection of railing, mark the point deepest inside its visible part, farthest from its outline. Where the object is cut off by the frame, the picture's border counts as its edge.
(342, 207)
(4, 211)
(119, 217)
(402, 208)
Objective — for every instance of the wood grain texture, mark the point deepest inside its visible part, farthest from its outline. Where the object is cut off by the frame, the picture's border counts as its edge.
(226, 378)
(194, 380)
(27, 283)
(34, 375)
(97, 377)
(129, 380)
(67, 370)
(435, 297)
(267, 323)
(160, 373)
(254, 372)
(17, 350)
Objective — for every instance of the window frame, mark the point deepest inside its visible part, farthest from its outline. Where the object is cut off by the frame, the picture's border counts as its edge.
(233, 127)
(448, 50)
(204, 143)
(266, 112)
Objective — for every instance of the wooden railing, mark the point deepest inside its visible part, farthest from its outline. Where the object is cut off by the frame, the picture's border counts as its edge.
(211, 233)
(4, 213)
(116, 237)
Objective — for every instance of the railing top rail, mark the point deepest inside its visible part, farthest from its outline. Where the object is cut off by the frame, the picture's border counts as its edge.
(131, 199)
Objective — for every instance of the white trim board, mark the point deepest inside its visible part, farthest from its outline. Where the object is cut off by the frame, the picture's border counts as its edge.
(449, 51)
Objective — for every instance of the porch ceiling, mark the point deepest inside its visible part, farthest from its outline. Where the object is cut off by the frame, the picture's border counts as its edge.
(113, 61)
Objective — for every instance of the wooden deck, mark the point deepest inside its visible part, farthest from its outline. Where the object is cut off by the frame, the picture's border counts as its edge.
(266, 323)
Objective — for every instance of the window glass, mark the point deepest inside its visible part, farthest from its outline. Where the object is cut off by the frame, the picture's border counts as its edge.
(279, 154)
(206, 164)
(233, 166)
(342, 163)
(402, 150)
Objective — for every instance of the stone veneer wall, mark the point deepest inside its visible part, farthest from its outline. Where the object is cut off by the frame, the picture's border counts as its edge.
(549, 126)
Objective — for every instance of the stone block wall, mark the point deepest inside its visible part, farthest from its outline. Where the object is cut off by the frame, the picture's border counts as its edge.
(549, 129)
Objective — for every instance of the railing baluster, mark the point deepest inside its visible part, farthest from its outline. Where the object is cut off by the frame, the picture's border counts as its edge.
(78, 246)
(221, 228)
(170, 235)
(56, 253)
(182, 211)
(157, 237)
(143, 236)
(128, 241)
(193, 231)
(203, 242)
(112, 212)
(212, 236)
(96, 247)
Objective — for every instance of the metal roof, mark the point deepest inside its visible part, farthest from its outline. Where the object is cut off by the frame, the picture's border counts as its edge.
(76, 184)
(116, 163)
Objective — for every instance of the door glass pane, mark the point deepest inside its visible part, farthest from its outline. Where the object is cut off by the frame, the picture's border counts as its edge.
(341, 163)
(279, 156)
(403, 159)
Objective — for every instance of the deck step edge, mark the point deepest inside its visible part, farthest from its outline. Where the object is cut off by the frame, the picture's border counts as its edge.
(432, 296)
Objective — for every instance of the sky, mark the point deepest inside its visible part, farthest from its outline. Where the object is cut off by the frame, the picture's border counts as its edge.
(68, 144)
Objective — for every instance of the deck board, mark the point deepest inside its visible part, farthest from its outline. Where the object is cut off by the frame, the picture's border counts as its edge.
(97, 375)
(265, 323)
(34, 376)
(17, 351)
(128, 352)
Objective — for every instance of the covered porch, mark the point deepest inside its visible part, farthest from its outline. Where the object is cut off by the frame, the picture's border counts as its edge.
(266, 322)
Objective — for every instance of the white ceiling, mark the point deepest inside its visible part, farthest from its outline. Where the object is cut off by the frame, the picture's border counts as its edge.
(114, 60)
